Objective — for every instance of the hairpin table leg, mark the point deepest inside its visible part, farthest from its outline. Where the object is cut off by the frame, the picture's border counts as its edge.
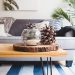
(47, 65)
(50, 66)
(42, 65)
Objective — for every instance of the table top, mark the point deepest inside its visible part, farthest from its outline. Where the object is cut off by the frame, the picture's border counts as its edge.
(6, 50)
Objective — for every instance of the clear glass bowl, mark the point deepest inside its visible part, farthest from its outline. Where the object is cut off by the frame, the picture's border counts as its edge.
(31, 36)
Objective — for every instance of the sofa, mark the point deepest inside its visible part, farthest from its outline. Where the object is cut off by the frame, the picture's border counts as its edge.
(67, 43)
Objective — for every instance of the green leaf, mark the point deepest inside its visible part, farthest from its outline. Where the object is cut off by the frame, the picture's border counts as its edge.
(59, 13)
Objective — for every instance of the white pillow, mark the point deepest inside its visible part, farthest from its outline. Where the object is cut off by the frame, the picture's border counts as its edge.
(41, 25)
(2, 30)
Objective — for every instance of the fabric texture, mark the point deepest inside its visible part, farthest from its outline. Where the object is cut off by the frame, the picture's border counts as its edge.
(63, 31)
(5, 24)
(41, 25)
(2, 31)
(20, 24)
(8, 21)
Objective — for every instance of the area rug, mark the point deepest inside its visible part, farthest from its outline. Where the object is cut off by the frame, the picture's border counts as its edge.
(23, 69)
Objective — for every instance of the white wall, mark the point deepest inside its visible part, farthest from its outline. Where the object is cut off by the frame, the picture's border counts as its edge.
(46, 8)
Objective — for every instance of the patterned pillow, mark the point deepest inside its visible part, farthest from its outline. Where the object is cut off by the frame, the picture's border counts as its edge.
(57, 24)
(2, 31)
(8, 21)
(41, 24)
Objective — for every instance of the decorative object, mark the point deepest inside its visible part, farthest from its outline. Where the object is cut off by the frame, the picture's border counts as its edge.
(41, 24)
(39, 48)
(10, 5)
(31, 36)
(34, 41)
(47, 35)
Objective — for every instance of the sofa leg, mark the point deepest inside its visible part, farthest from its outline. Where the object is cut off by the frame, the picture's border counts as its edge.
(69, 63)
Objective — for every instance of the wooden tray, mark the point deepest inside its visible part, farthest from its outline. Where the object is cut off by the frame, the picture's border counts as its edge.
(38, 48)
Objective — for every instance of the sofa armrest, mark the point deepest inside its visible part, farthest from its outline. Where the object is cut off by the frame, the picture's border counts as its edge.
(67, 43)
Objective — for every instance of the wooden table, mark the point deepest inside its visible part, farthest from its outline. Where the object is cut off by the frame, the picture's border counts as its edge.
(6, 50)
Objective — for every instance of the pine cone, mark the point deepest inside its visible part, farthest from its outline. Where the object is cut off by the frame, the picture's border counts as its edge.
(47, 35)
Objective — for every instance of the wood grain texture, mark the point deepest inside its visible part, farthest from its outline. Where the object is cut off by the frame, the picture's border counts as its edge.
(6, 50)
(37, 48)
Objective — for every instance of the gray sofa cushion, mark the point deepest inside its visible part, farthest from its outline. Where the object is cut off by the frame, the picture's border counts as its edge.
(20, 24)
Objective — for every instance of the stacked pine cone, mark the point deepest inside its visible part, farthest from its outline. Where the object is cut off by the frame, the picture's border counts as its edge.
(47, 35)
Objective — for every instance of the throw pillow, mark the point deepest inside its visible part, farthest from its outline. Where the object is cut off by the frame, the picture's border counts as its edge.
(2, 31)
(41, 24)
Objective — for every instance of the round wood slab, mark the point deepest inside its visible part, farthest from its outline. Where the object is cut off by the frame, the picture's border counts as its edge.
(37, 48)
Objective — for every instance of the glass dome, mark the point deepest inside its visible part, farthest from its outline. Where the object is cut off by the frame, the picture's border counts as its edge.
(31, 36)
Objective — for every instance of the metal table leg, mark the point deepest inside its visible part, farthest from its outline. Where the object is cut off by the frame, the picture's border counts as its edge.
(50, 65)
(47, 65)
(42, 65)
